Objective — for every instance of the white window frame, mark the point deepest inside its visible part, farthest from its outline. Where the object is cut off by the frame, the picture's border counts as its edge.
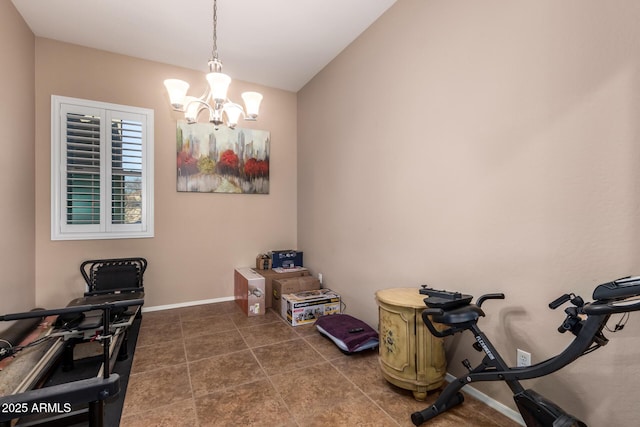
(60, 230)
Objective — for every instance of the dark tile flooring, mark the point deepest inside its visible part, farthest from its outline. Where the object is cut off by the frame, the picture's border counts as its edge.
(211, 365)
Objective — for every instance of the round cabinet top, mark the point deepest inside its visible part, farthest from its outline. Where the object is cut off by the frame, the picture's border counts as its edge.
(404, 297)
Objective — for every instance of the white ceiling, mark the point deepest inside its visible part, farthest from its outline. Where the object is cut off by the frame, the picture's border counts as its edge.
(277, 43)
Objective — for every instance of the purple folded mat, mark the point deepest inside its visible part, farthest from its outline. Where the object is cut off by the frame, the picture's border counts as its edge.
(339, 325)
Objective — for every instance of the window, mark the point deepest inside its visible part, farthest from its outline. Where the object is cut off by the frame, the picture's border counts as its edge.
(101, 170)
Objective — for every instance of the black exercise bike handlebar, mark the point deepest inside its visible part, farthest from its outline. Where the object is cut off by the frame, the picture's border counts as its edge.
(618, 296)
(624, 306)
(584, 320)
(485, 297)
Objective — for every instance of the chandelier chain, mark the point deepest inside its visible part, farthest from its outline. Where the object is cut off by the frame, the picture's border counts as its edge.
(214, 51)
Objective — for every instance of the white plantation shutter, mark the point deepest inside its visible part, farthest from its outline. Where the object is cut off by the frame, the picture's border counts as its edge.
(82, 177)
(126, 171)
(102, 170)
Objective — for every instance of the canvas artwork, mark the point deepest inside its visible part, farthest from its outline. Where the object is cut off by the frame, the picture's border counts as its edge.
(222, 160)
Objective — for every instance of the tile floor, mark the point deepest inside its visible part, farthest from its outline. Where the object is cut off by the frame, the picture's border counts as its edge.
(211, 365)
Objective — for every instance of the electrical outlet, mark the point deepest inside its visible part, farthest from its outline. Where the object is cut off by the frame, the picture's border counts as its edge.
(523, 358)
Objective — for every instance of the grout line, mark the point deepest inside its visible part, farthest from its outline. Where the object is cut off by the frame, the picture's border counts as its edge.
(364, 393)
(184, 349)
(301, 334)
(155, 408)
(164, 367)
(280, 398)
(327, 358)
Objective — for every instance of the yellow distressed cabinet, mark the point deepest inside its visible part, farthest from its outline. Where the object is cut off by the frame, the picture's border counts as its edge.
(410, 357)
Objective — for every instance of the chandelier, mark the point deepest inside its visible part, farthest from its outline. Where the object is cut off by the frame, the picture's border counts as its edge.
(221, 109)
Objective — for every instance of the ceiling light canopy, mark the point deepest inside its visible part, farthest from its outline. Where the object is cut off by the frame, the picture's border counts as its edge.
(221, 109)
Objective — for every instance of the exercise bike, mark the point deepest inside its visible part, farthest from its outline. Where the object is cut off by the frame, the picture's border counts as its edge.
(586, 321)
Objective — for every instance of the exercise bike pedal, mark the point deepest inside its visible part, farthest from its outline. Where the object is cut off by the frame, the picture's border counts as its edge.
(437, 408)
(477, 347)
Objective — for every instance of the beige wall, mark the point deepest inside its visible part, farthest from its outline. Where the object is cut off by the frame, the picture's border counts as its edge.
(501, 159)
(199, 238)
(17, 168)
(488, 147)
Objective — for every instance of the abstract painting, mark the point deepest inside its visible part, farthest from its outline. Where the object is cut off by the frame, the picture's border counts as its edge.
(222, 160)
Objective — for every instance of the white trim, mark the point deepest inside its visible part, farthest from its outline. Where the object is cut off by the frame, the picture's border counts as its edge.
(489, 401)
(105, 230)
(186, 304)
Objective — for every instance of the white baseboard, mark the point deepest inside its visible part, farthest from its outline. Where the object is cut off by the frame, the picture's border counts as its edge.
(186, 304)
(503, 409)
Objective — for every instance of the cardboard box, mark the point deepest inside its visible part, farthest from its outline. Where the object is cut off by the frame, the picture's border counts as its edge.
(271, 275)
(249, 291)
(291, 286)
(305, 307)
(263, 262)
(287, 258)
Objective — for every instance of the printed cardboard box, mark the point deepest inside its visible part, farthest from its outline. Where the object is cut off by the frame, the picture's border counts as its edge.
(249, 291)
(291, 286)
(263, 262)
(305, 307)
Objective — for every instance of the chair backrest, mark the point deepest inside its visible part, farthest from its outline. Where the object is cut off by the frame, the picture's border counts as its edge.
(119, 274)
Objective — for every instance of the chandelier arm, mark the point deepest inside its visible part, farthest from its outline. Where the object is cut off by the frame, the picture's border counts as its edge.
(229, 101)
(203, 105)
(205, 95)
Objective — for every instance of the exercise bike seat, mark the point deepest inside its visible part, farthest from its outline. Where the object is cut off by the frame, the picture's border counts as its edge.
(456, 316)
